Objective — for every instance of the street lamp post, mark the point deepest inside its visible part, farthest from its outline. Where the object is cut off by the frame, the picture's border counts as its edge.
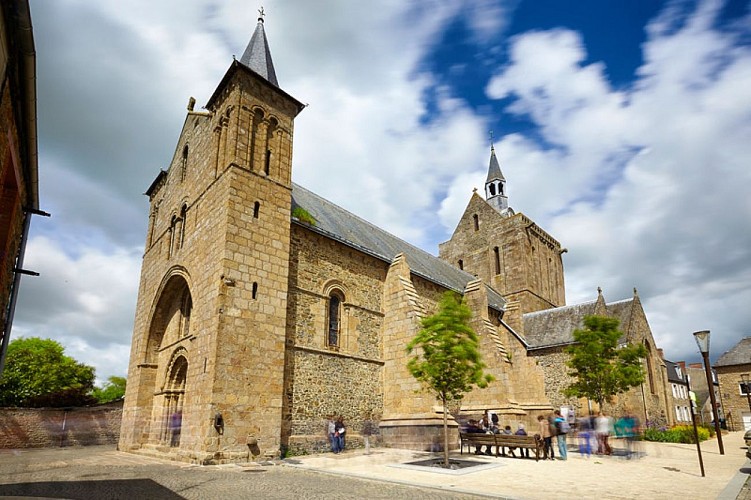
(702, 340)
(692, 397)
(745, 380)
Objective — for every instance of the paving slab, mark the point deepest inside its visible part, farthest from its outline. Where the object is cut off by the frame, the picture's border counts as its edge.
(657, 471)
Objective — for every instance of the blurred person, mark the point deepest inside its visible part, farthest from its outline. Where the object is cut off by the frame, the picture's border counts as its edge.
(175, 424)
(368, 429)
(584, 434)
(547, 438)
(603, 424)
(339, 431)
(562, 428)
(523, 452)
(331, 432)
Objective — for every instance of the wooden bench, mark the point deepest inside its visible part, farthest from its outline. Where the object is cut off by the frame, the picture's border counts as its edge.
(480, 439)
(533, 443)
(500, 441)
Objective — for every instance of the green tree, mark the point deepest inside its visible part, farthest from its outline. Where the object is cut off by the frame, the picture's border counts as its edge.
(38, 373)
(446, 357)
(112, 390)
(600, 366)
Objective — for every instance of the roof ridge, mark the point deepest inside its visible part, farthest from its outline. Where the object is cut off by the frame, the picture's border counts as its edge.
(561, 308)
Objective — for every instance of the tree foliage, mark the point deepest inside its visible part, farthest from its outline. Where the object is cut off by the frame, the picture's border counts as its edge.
(37, 373)
(446, 357)
(601, 367)
(112, 390)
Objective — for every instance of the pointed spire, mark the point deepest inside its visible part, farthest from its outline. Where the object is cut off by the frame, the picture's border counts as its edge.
(257, 55)
(495, 185)
(494, 169)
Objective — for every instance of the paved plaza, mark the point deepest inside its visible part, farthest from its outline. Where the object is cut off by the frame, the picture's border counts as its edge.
(661, 470)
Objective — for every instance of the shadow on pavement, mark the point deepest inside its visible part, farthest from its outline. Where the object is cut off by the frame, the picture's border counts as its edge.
(84, 490)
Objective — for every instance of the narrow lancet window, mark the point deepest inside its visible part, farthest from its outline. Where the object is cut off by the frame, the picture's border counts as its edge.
(333, 336)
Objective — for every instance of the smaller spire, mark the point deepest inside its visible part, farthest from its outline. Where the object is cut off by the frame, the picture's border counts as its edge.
(495, 184)
(257, 55)
(494, 169)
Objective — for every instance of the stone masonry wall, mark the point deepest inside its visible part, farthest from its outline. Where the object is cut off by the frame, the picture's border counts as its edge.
(734, 404)
(513, 254)
(322, 380)
(56, 427)
(219, 224)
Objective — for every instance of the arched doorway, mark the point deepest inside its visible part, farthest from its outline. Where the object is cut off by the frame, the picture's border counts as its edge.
(173, 399)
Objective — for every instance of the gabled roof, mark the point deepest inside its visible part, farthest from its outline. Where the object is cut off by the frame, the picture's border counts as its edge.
(257, 55)
(553, 327)
(740, 354)
(338, 224)
(673, 373)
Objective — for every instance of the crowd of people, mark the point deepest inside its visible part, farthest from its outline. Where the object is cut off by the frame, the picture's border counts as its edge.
(592, 433)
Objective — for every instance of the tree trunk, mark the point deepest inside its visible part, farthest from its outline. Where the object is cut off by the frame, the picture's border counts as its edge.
(445, 435)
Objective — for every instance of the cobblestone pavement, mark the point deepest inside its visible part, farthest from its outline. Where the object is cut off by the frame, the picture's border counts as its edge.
(103, 472)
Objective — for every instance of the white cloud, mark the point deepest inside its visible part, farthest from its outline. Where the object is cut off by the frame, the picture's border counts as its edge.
(645, 185)
(653, 177)
(86, 301)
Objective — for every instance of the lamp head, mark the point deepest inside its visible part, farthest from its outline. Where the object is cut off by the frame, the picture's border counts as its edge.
(702, 340)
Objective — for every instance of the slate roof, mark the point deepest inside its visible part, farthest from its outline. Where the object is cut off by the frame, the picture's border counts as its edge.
(494, 168)
(339, 224)
(740, 354)
(257, 55)
(553, 327)
(673, 372)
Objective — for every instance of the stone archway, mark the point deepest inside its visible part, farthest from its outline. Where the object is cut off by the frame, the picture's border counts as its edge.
(173, 399)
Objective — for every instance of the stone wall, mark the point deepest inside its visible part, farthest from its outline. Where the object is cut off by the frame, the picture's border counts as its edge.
(512, 254)
(209, 335)
(55, 427)
(323, 380)
(734, 404)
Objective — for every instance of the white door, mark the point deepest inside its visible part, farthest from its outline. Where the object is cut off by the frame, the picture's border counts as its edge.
(746, 421)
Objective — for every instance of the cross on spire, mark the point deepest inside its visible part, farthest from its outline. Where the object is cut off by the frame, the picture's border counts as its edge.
(261, 13)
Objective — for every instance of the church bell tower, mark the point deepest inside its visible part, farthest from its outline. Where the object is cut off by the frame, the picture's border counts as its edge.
(207, 358)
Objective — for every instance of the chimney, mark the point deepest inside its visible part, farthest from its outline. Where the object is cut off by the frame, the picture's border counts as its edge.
(682, 364)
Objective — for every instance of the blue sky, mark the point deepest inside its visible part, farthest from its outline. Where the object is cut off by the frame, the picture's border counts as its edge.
(621, 127)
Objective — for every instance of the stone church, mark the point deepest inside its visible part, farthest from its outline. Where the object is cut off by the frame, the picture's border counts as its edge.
(263, 308)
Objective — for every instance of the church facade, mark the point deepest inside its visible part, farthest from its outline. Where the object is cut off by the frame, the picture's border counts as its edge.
(264, 308)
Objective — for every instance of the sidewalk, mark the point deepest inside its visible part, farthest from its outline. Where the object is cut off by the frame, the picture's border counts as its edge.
(663, 471)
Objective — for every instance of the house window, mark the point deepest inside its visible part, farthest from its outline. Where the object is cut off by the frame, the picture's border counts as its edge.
(476, 220)
(333, 335)
(744, 388)
(497, 257)
(256, 209)
(461, 264)
(254, 292)
(267, 164)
